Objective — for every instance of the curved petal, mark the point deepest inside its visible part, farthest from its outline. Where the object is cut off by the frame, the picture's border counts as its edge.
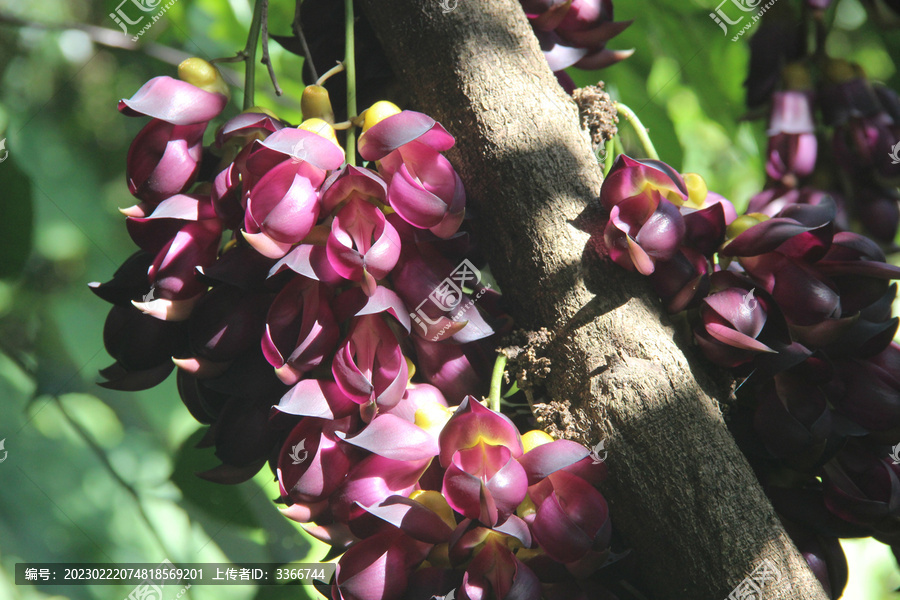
(174, 101)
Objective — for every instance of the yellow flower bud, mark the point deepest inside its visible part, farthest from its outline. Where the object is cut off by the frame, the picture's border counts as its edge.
(378, 112)
(534, 438)
(743, 223)
(316, 104)
(697, 189)
(204, 75)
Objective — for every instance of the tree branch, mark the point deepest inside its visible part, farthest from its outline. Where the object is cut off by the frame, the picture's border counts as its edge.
(105, 37)
(681, 493)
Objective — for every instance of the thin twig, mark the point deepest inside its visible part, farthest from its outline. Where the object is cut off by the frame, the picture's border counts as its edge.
(105, 37)
(639, 128)
(298, 31)
(350, 66)
(266, 60)
(250, 55)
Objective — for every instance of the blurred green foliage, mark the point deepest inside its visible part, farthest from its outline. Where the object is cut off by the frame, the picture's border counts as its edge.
(99, 476)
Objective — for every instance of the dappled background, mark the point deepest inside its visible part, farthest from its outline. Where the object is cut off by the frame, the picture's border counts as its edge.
(92, 475)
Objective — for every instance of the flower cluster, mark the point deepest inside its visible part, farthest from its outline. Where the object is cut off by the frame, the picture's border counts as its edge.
(848, 153)
(799, 309)
(324, 266)
(574, 33)
(426, 499)
(323, 317)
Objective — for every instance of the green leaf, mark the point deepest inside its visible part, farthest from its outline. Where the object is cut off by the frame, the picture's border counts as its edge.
(16, 226)
(227, 503)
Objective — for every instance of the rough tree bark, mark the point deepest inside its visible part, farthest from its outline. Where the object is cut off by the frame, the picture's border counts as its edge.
(681, 493)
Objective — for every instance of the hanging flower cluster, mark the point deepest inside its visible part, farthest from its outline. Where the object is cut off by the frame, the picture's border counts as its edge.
(328, 318)
(799, 309)
(574, 33)
(835, 134)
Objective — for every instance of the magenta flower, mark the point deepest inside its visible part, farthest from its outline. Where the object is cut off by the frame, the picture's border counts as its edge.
(379, 567)
(282, 207)
(495, 572)
(174, 101)
(284, 174)
(300, 329)
(792, 138)
(362, 245)
(571, 518)
(423, 186)
(738, 322)
(313, 460)
(575, 34)
(372, 480)
(644, 225)
(369, 366)
(174, 285)
(483, 480)
(164, 157)
(455, 369)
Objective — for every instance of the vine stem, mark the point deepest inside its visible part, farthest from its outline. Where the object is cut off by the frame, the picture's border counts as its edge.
(609, 154)
(497, 382)
(639, 129)
(350, 68)
(249, 54)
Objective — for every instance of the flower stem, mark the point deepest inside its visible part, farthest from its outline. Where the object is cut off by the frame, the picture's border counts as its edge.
(350, 67)
(608, 157)
(496, 382)
(250, 54)
(617, 144)
(639, 129)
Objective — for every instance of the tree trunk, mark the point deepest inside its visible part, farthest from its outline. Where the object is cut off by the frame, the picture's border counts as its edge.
(681, 493)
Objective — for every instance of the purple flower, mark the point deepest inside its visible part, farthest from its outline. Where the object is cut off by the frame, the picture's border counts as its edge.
(792, 416)
(163, 159)
(570, 519)
(300, 329)
(792, 138)
(362, 245)
(175, 287)
(737, 322)
(575, 34)
(863, 487)
(313, 460)
(644, 226)
(423, 186)
(369, 366)
(282, 207)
